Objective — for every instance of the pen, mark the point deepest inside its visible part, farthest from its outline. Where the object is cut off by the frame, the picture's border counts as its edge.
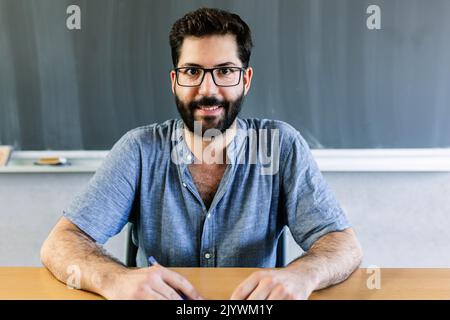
(151, 262)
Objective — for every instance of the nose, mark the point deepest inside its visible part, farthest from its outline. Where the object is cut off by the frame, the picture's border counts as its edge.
(208, 87)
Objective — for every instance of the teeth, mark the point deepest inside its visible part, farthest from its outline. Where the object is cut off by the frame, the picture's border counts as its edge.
(210, 108)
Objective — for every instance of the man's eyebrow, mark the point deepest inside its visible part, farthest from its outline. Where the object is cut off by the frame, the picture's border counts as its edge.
(189, 64)
(225, 64)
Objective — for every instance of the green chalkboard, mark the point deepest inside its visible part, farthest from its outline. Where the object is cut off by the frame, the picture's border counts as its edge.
(317, 66)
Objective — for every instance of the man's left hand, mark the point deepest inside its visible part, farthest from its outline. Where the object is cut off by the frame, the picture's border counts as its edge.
(279, 284)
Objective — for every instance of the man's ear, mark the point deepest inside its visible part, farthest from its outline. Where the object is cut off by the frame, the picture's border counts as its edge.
(248, 74)
(173, 80)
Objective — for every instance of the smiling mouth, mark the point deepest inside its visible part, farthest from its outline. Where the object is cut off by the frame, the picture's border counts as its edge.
(209, 108)
(209, 111)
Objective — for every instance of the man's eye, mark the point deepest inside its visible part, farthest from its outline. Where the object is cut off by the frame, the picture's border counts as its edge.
(192, 71)
(225, 71)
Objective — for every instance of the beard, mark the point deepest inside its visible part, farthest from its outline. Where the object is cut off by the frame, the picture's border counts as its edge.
(221, 122)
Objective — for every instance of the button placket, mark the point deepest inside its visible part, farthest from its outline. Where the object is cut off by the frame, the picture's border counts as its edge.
(207, 250)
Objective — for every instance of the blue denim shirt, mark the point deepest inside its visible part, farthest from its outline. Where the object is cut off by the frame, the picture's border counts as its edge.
(145, 179)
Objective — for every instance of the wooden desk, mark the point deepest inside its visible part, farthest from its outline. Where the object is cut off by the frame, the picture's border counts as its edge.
(38, 283)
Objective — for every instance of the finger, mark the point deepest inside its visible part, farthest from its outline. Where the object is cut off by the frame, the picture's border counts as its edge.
(151, 294)
(278, 293)
(262, 291)
(246, 287)
(166, 290)
(180, 283)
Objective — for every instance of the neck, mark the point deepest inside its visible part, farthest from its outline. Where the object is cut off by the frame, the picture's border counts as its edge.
(207, 150)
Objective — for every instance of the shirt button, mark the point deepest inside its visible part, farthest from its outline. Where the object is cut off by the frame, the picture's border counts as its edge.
(209, 215)
(184, 184)
(189, 158)
(207, 255)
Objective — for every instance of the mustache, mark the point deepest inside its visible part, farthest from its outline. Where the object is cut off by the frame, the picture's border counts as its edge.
(207, 101)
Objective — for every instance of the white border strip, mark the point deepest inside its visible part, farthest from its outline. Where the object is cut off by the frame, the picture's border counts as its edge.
(383, 160)
(329, 160)
(78, 154)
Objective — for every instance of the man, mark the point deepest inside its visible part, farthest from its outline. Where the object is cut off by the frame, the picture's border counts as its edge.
(195, 197)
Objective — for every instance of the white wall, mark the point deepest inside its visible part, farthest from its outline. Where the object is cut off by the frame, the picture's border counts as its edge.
(30, 205)
(401, 219)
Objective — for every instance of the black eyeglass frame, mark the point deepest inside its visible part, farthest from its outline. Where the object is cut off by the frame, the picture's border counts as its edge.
(206, 70)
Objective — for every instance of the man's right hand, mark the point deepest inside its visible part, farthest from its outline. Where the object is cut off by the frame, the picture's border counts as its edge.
(152, 283)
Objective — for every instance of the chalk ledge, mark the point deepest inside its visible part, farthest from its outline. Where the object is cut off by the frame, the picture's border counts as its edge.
(329, 160)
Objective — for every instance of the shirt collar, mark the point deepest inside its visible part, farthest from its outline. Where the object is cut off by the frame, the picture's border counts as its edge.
(185, 156)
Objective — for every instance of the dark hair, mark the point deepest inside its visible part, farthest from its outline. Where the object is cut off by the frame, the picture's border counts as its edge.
(208, 21)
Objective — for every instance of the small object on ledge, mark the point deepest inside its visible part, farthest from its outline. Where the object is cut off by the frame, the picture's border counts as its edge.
(5, 154)
(52, 161)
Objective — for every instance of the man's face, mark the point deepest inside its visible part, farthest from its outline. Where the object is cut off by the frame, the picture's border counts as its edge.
(215, 107)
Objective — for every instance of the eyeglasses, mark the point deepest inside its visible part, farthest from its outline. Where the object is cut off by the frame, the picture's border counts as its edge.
(222, 76)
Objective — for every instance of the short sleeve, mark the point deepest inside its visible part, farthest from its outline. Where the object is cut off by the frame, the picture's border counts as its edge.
(310, 207)
(103, 208)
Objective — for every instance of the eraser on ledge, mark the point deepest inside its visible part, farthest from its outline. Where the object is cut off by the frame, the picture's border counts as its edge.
(52, 161)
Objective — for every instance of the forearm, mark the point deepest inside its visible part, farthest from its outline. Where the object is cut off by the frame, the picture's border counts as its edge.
(77, 260)
(331, 259)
